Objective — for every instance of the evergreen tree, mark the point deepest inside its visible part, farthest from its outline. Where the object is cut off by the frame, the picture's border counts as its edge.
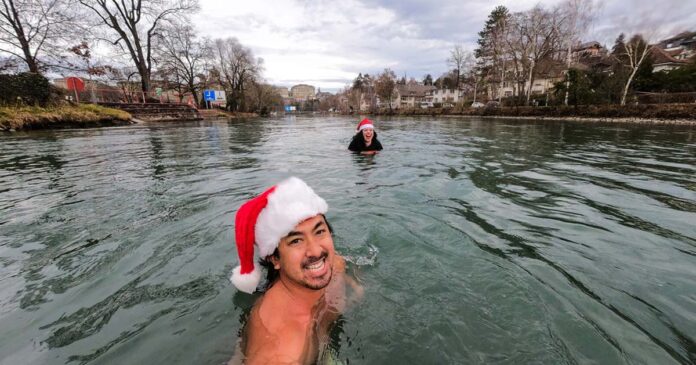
(579, 87)
(358, 82)
(645, 79)
(489, 53)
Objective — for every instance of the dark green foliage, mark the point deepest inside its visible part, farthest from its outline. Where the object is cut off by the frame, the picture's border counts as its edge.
(487, 36)
(682, 79)
(24, 89)
(358, 82)
(579, 86)
(645, 79)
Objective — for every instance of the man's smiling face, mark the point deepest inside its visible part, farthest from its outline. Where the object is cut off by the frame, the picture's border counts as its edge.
(306, 254)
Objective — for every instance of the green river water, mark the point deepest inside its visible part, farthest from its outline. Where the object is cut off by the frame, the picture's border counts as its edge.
(477, 241)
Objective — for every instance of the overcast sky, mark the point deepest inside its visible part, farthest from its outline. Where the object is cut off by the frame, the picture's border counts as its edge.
(327, 43)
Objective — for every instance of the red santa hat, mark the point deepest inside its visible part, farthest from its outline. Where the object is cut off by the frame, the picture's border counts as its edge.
(264, 220)
(364, 124)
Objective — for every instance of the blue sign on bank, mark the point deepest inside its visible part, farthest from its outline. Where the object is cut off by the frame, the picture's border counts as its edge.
(209, 95)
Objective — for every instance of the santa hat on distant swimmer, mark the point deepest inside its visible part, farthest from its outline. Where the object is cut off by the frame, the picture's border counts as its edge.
(264, 220)
(364, 124)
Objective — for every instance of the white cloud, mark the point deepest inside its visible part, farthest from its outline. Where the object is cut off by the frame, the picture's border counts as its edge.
(326, 43)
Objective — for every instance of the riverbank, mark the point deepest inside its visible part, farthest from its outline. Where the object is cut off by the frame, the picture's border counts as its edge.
(59, 117)
(677, 114)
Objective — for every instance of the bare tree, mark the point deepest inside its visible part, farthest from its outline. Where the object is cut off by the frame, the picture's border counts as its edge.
(235, 67)
(264, 98)
(533, 38)
(32, 29)
(368, 91)
(184, 58)
(516, 52)
(540, 31)
(385, 86)
(578, 15)
(470, 74)
(456, 60)
(134, 26)
(635, 51)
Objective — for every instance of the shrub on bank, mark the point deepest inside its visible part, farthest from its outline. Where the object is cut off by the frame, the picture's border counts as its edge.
(83, 115)
(25, 89)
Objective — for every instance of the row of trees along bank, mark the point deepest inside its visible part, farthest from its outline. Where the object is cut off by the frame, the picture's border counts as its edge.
(148, 42)
(515, 49)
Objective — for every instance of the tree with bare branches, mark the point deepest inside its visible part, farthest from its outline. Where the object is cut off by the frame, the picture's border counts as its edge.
(385, 86)
(456, 61)
(235, 68)
(263, 98)
(577, 14)
(134, 26)
(32, 29)
(184, 58)
(539, 30)
(631, 55)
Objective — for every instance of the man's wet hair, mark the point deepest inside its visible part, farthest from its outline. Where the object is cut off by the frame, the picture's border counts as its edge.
(271, 273)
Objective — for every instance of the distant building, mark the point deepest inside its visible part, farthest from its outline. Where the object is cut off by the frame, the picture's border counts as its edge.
(674, 52)
(684, 42)
(665, 60)
(283, 91)
(411, 95)
(443, 96)
(588, 50)
(302, 92)
(321, 95)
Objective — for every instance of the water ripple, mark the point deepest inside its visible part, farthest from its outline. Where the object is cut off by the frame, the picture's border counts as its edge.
(477, 241)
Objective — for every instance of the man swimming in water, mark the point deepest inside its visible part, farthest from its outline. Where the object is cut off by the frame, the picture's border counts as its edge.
(306, 277)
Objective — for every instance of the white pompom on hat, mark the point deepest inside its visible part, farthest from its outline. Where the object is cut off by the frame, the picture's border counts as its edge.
(364, 124)
(264, 220)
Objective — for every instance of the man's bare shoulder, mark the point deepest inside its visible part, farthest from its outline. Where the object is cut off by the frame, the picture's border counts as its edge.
(285, 347)
(275, 337)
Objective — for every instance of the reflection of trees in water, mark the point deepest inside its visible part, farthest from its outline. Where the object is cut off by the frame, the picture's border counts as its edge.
(158, 169)
(245, 137)
(45, 158)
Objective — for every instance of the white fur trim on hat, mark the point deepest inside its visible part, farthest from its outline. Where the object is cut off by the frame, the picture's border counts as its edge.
(365, 126)
(247, 282)
(291, 203)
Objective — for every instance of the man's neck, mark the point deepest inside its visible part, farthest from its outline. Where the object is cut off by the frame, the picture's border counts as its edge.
(306, 298)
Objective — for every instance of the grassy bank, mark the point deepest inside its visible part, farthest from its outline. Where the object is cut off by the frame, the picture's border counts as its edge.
(66, 116)
(685, 113)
